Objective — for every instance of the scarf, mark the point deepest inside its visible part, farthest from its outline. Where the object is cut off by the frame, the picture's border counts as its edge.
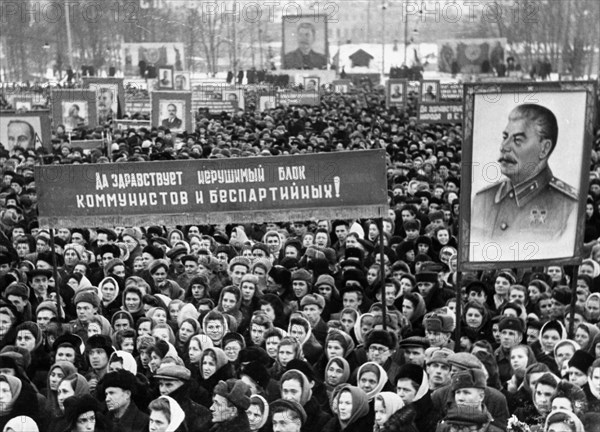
(264, 409)
(15, 385)
(391, 403)
(379, 372)
(177, 414)
(360, 404)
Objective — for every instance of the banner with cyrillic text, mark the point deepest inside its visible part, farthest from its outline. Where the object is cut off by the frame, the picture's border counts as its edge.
(340, 185)
(440, 113)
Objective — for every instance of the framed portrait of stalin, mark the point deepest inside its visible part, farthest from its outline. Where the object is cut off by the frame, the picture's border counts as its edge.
(525, 173)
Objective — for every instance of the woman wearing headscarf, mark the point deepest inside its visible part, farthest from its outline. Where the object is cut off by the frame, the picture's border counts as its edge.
(337, 343)
(316, 417)
(412, 385)
(132, 302)
(562, 420)
(166, 416)
(258, 413)
(551, 333)
(311, 348)
(30, 338)
(337, 372)
(214, 367)
(592, 390)
(17, 398)
(386, 405)
(111, 300)
(57, 372)
(350, 406)
(230, 301)
(414, 309)
(371, 378)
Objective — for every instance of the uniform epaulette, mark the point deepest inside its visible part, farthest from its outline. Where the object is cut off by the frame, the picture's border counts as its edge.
(561, 186)
(486, 188)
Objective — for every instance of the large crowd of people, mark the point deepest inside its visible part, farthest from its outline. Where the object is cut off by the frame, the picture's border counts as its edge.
(279, 326)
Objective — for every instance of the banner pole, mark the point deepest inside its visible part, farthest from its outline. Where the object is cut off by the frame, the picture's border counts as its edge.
(573, 301)
(382, 272)
(55, 276)
(458, 310)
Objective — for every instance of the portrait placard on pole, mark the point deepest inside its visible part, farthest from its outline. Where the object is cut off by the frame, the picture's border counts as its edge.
(346, 185)
(525, 173)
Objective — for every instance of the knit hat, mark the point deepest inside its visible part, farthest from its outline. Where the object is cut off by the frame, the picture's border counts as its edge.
(440, 323)
(87, 296)
(121, 379)
(302, 275)
(291, 405)
(49, 305)
(325, 279)
(470, 378)
(310, 299)
(32, 328)
(235, 391)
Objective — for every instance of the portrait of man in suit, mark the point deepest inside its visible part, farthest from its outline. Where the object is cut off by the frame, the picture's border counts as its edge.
(305, 56)
(172, 121)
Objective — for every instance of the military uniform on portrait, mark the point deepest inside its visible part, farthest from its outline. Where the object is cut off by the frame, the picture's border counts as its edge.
(540, 209)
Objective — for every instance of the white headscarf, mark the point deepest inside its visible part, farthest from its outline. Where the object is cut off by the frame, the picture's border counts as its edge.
(380, 384)
(177, 414)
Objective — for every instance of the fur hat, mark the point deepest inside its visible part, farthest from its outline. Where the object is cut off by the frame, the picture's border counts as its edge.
(77, 405)
(258, 372)
(99, 341)
(426, 276)
(17, 289)
(240, 260)
(235, 391)
(511, 323)
(381, 337)
(121, 379)
(87, 296)
(313, 299)
(581, 361)
(470, 378)
(302, 275)
(440, 323)
(254, 353)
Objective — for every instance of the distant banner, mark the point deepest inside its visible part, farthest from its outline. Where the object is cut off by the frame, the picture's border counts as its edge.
(441, 113)
(127, 124)
(470, 55)
(152, 54)
(451, 92)
(344, 185)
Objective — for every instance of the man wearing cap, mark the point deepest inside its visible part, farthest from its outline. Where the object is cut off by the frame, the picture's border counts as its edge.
(438, 330)
(122, 411)
(511, 334)
(380, 346)
(190, 270)
(39, 283)
(437, 367)
(238, 267)
(44, 313)
(99, 349)
(468, 408)
(414, 349)
(312, 305)
(287, 416)
(231, 399)
(17, 293)
(301, 284)
(86, 303)
(435, 296)
(174, 381)
(494, 400)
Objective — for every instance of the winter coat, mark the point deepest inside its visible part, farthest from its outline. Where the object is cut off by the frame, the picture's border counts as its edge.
(197, 417)
(133, 420)
(238, 424)
(26, 404)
